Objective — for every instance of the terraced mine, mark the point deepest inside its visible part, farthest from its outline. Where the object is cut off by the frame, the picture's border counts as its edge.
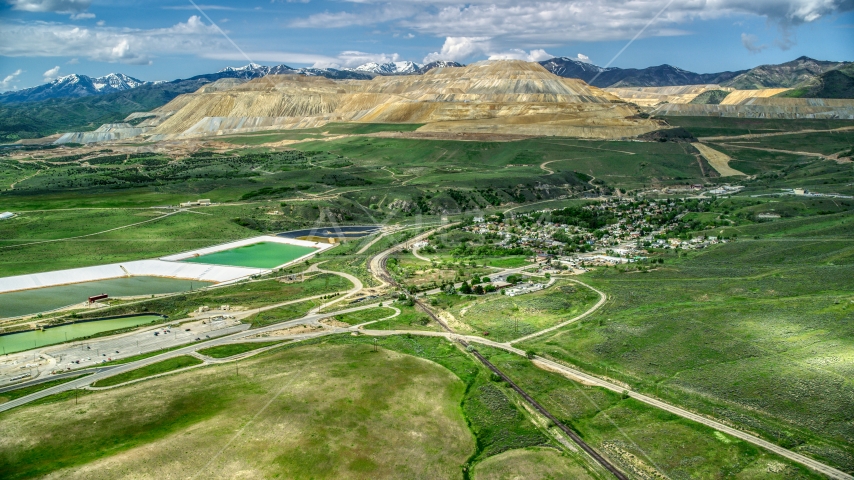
(493, 97)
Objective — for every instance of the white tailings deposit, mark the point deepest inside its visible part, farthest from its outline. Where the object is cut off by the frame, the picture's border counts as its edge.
(170, 267)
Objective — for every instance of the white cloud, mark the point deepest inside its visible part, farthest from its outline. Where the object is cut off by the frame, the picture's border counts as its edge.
(132, 46)
(56, 6)
(583, 58)
(82, 16)
(370, 16)
(73, 61)
(51, 74)
(7, 82)
(751, 43)
(516, 54)
(535, 24)
(100, 23)
(459, 48)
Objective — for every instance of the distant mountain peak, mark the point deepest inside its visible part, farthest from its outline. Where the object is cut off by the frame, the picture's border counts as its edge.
(389, 68)
(251, 67)
(74, 86)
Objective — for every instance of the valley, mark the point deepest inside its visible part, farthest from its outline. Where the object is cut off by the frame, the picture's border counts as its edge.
(484, 271)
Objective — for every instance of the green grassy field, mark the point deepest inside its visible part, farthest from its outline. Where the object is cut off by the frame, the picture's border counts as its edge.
(225, 351)
(164, 366)
(826, 143)
(724, 126)
(534, 463)
(754, 332)
(642, 440)
(505, 318)
(362, 316)
(175, 425)
(410, 318)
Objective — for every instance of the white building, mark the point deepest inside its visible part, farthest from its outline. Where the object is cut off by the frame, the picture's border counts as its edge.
(6, 215)
(523, 289)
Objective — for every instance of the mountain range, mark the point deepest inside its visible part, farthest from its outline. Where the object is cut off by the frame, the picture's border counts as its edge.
(78, 102)
(803, 73)
(75, 86)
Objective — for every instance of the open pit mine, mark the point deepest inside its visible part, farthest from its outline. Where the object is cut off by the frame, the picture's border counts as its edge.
(492, 97)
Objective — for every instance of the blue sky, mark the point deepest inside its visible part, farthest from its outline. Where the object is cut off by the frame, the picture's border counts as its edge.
(165, 40)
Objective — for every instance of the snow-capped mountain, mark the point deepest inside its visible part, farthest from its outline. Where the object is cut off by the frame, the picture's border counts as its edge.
(116, 82)
(390, 68)
(74, 86)
(438, 64)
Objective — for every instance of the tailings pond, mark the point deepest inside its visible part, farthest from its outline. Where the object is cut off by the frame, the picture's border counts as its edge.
(18, 342)
(257, 255)
(27, 302)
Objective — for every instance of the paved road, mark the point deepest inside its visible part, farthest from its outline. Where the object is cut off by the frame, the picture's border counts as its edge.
(100, 374)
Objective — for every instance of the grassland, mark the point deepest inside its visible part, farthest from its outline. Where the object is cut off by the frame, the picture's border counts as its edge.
(362, 316)
(164, 366)
(225, 351)
(643, 441)
(391, 416)
(722, 126)
(356, 179)
(826, 143)
(505, 318)
(25, 252)
(754, 332)
(410, 318)
(534, 463)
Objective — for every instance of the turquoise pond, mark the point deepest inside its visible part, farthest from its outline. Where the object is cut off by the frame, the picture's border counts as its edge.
(18, 342)
(27, 302)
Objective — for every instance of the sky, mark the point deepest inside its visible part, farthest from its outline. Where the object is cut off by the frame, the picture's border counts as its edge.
(169, 39)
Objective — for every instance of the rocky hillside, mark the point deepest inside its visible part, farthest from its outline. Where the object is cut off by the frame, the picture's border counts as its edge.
(492, 97)
(802, 72)
(660, 76)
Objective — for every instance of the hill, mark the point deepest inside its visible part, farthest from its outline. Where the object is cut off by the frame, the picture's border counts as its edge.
(660, 76)
(799, 73)
(833, 84)
(491, 97)
(802, 72)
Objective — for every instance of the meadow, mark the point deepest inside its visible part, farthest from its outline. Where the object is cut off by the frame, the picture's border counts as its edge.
(381, 422)
(728, 126)
(504, 318)
(826, 143)
(756, 332)
(643, 441)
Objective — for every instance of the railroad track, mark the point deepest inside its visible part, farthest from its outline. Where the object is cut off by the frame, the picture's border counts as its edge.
(386, 276)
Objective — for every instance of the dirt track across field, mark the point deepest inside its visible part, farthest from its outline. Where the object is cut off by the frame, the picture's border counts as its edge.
(717, 160)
